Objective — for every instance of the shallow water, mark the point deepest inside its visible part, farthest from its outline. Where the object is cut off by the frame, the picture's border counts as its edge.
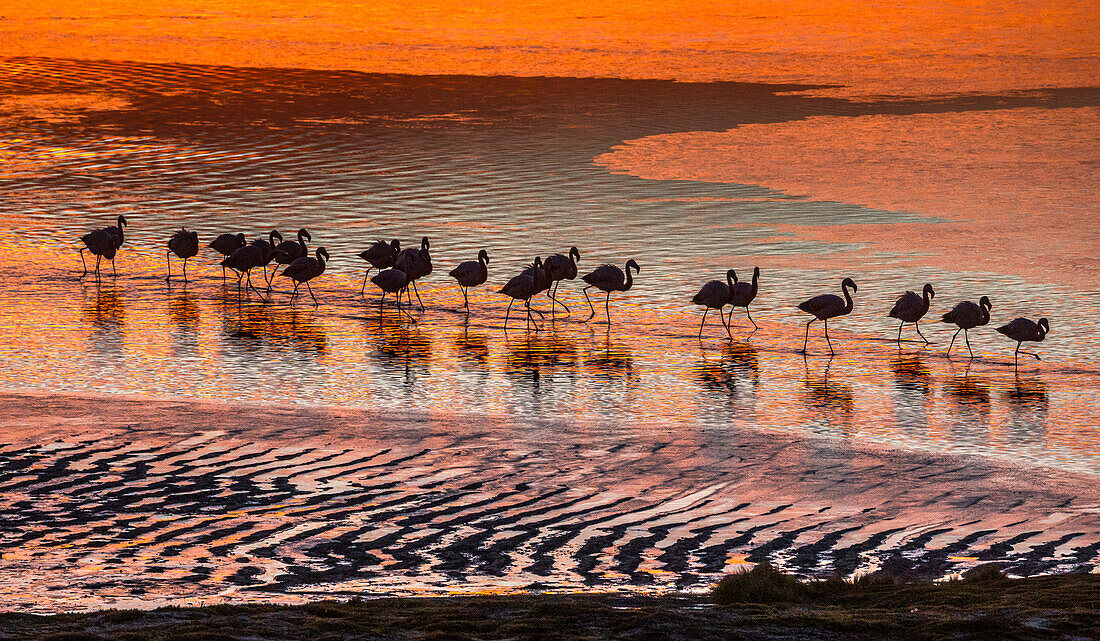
(507, 164)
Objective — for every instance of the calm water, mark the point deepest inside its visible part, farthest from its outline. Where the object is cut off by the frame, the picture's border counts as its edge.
(507, 165)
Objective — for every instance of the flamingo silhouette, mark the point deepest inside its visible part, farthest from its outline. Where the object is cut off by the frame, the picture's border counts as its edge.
(184, 244)
(743, 294)
(561, 267)
(392, 281)
(715, 295)
(609, 278)
(226, 244)
(828, 306)
(966, 315)
(416, 263)
(380, 255)
(305, 269)
(1023, 329)
(531, 281)
(910, 308)
(103, 243)
(471, 274)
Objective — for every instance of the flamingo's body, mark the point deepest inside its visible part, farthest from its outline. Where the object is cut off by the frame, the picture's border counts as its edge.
(226, 244)
(828, 306)
(471, 274)
(742, 294)
(910, 308)
(715, 294)
(380, 255)
(966, 316)
(391, 281)
(531, 281)
(268, 248)
(289, 251)
(305, 269)
(184, 244)
(103, 243)
(609, 278)
(561, 267)
(244, 260)
(416, 263)
(1023, 329)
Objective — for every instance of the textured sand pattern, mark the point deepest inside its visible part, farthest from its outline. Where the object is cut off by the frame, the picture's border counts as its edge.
(119, 501)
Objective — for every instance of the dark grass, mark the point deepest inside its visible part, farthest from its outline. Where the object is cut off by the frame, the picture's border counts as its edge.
(985, 605)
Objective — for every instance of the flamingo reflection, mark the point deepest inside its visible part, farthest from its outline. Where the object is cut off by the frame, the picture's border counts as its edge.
(833, 398)
(911, 373)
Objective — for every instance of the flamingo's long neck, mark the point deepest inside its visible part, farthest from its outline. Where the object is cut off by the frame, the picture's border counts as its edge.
(629, 279)
(302, 243)
(755, 283)
(321, 261)
(847, 300)
(730, 280)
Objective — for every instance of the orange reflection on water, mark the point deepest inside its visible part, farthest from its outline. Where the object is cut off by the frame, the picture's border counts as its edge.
(901, 47)
(1017, 187)
(648, 373)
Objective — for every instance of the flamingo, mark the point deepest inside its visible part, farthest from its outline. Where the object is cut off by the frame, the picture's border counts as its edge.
(715, 295)
(103, 243)
(966, 315)
(184, 244)
(416, 263)
(743, 294)
(226, 244)
(609, 278)
(305, 269)
(289, 251)
(1023, 329)
(268, 248)
(530, 282)
(828, 306)
(561, 267)
(381, 255)
(471, 274)
(244, 260)
(910, 308)
(391, 281)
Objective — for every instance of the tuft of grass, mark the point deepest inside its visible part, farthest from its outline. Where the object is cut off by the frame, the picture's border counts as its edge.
(985, 573)
(762, 584)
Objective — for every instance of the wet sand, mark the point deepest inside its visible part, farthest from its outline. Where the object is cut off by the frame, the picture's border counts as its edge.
(140, 502)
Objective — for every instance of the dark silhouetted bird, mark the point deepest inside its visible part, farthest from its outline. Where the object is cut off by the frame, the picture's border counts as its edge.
(743, 294)
(715, 295)
(910, 308)
(828, 306)
(416, 263)
(305, 269)
(392, 281)
(609, 278)
(471, 274)
(226, 244)
(966, 315)
(184, 244)
(267, 247)
(244, 260)
(289, 251)
(103, 243)
(1023, 329)
(380, 255)
(528, 283)
(561, 267)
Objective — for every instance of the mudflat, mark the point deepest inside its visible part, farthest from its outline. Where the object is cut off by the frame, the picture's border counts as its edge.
(115, 501)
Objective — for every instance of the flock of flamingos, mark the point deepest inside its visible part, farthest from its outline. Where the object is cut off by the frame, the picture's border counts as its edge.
(401, 268)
